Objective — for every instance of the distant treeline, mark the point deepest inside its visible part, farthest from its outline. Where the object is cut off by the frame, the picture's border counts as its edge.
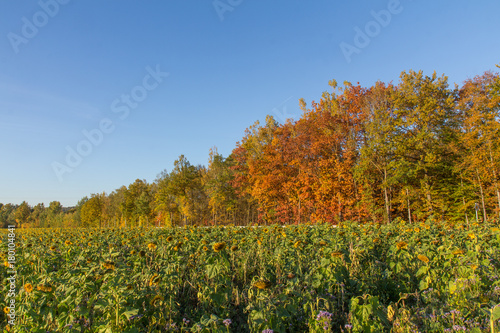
(416, 150)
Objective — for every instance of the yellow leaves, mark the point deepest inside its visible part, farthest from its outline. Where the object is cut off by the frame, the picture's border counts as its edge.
(423, 258)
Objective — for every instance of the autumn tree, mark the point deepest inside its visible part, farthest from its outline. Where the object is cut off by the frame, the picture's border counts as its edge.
(91, 212)
(479, 108)
(22, 214)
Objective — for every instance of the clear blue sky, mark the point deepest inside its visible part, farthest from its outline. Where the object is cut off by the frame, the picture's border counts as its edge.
(70, 67)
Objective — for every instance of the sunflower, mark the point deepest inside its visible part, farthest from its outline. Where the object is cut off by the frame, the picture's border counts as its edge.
(296, 244)
(44, 288)
(204, 242)
(170, 238)
(423, 258)
(156, 301)
(151, 246)
(219, 246)
(6, 264)
(154, 280)
(376, 240)
(337, 254)
(142, 253)
(67, 243)
(471, 235)
(6, 310)
(108, 265)
(89, 260)
(322, 243)
(401, 245)
(474, 267)
(132, 252)
(495, 229)
(458, 252)
(262, 284)
(417, 229)
(205, 248)
(234, 247)
(53, 248)
(28, 287)
(290, 276)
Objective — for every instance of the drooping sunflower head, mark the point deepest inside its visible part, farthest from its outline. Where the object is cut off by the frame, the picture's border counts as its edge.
(108, 265)
(53, 248)
(44, 288)
(262, 284)
(156, 301)
(337, 254)
(219, 246)
(234, 248)
(154, 280)
(142, 253)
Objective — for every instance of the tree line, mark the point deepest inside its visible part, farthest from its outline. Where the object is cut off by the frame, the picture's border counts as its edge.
(413, 150)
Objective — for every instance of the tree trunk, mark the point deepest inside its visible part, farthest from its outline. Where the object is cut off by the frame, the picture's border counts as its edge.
(386, 197)
(495, 179)
(482, 195)
(409, 210)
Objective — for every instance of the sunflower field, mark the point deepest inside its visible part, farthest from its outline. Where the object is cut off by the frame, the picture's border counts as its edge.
(400, 277)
